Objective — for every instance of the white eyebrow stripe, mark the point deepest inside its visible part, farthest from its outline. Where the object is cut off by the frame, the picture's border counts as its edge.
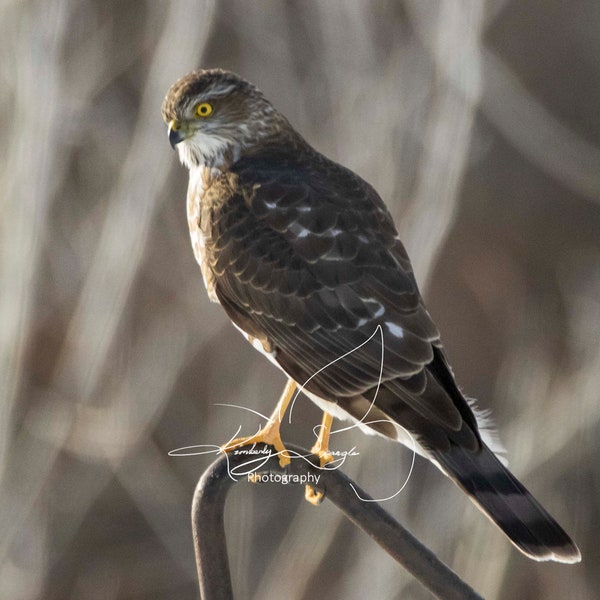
(222, 91)
(209, 95)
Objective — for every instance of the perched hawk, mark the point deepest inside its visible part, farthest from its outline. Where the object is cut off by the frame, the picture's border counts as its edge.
(304, 257)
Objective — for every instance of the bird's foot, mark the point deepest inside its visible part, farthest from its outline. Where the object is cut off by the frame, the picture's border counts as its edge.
(321, 449)
(268, 435)
(315, 497)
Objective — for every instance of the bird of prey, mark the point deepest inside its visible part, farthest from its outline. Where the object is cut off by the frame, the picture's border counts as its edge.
(305, 259)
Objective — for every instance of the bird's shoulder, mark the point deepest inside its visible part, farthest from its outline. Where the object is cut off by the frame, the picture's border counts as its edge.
(298, 210)
(306, 257)
(304, 178)
(320, 206)
(302, 240)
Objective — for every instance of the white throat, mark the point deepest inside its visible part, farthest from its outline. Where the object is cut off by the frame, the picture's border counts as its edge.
(206, 150)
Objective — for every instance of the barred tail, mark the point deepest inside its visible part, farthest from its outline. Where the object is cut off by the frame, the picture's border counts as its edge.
(499, 494)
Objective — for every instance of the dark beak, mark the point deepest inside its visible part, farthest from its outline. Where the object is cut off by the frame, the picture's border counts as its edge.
(175, 134)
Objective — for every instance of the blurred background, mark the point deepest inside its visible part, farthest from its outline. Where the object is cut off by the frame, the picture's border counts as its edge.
(476, 121)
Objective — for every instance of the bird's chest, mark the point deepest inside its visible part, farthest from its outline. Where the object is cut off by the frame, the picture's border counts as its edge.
(198, 217)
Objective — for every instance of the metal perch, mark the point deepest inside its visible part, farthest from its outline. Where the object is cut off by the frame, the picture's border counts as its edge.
(209, 532)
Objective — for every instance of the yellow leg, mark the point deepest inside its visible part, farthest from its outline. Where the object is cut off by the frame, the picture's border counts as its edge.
(269, 434)
(321, 449)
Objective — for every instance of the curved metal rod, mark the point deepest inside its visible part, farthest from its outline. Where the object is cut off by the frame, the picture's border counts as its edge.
(209, 528)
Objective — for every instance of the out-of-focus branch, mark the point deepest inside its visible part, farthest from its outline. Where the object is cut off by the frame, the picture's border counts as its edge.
(26, 183)
(208, 527)
(451, 33)
(130, 208)
(537, 133)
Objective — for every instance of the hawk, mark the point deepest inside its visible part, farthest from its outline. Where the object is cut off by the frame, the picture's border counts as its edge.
(305, 259)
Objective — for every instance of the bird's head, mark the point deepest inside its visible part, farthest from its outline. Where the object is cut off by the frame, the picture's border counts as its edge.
(214, 116)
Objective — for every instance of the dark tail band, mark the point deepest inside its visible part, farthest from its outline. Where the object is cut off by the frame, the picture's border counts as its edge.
(502, 497)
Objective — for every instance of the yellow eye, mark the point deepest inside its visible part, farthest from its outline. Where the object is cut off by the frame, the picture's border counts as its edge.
(204, 109)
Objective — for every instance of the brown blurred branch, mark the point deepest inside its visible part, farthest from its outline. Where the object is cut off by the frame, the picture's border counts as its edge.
(209, 531)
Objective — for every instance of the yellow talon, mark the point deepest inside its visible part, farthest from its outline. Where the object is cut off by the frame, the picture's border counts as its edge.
(269, 434)
(321, 449)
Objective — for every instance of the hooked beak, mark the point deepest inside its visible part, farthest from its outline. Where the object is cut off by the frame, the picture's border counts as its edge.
(176, 135)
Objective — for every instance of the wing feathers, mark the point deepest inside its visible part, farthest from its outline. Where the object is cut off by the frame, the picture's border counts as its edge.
(311, 257)
(306, 258)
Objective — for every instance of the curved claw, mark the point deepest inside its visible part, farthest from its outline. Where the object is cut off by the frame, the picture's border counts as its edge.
(269, 435)
(315, 497)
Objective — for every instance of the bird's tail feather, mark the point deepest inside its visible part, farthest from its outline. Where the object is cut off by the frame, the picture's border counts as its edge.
(502, 497)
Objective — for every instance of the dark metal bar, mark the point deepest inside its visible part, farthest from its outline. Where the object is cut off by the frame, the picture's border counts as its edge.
(209, 531)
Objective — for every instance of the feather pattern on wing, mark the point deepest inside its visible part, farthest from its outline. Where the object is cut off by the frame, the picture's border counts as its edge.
(313, 269)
